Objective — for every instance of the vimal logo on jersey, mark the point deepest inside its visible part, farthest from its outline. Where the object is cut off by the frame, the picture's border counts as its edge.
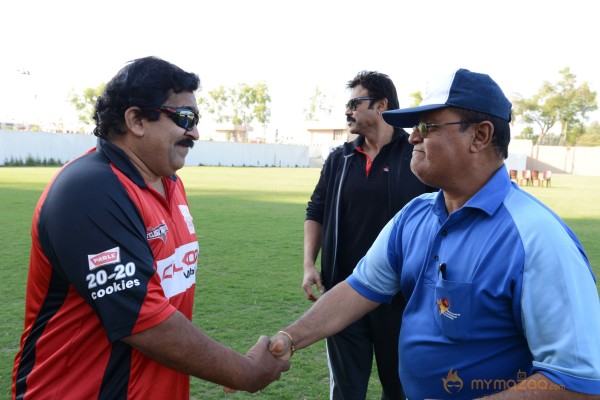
(177, 272)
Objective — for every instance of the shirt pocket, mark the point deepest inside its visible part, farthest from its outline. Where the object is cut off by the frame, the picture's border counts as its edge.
(453, 308)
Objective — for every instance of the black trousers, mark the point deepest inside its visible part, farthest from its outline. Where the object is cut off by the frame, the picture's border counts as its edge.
(350, 354)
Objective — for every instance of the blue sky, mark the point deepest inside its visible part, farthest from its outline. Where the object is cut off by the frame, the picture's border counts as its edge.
(293, 47)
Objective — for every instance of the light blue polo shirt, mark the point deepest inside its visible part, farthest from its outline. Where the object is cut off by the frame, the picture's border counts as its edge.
(496, 291)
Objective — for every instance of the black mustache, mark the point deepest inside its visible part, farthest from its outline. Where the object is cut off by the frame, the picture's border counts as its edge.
(350, 119)
(186, 142)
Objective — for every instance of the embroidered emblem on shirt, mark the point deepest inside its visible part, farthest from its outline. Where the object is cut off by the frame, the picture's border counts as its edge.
(452, 382)
(444, 309)
(159, 232)
(106, 257)
(185, 211)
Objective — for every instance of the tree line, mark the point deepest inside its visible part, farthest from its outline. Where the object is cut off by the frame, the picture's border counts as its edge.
(564, 103)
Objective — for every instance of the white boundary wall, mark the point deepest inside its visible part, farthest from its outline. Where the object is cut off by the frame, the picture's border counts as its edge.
(559, 159)
(17, 145)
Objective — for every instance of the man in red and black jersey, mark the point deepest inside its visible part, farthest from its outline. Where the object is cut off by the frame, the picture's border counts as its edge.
(112, 267)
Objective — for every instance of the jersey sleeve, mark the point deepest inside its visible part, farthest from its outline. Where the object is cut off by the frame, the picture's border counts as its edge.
(315, 210)
(560, 310)
(95, 239)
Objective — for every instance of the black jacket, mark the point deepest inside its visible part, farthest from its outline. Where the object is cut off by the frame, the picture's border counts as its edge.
(324, 203)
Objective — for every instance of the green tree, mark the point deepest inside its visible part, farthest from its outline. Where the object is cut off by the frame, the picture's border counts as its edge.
(563, 102)
(575, 103)
(591, 136)
(84, 103)
(541, 110)
(527, 133)
(255, 104)
(239, 105)
(417, 98)
(319, 106)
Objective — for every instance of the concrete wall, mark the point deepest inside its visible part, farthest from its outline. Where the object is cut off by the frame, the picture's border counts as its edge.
(248, 154)
(559, 159)
(17, 145)
(574, 160)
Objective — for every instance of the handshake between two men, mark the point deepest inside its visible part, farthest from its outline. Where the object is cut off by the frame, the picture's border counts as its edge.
(323, 319)
(269, 366)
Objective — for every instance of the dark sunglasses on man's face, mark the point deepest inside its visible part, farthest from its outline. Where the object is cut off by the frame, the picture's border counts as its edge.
(353, 103)
(183, 117)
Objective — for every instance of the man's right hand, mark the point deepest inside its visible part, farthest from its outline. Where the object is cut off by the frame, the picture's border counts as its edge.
(264, 367)
(312, 277)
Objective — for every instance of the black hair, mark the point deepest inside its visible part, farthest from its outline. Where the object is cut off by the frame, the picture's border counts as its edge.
(145, 83)
(501, 136)
(379, 86)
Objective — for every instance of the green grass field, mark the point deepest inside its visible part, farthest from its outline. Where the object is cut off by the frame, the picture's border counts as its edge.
(250, 228)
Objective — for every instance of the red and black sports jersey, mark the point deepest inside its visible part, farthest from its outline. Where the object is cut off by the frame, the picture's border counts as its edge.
(110, 257)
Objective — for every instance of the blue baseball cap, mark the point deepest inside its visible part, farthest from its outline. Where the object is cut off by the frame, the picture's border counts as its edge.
(463, 89)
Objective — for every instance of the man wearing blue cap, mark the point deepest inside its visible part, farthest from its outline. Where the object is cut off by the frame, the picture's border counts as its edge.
(501, 298)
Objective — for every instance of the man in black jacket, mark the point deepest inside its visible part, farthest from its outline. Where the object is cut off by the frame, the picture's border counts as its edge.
(362, 185)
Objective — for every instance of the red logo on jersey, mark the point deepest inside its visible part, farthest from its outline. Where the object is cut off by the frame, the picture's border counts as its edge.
(190, 257)
(105, 258)
(170, 270)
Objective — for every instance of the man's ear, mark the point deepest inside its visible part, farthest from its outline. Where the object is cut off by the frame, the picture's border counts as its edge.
(482, 138)
(134, 122)
(382, 105)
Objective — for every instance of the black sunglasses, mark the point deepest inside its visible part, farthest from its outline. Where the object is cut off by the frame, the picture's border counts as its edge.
(353, 103)
(183, 117)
